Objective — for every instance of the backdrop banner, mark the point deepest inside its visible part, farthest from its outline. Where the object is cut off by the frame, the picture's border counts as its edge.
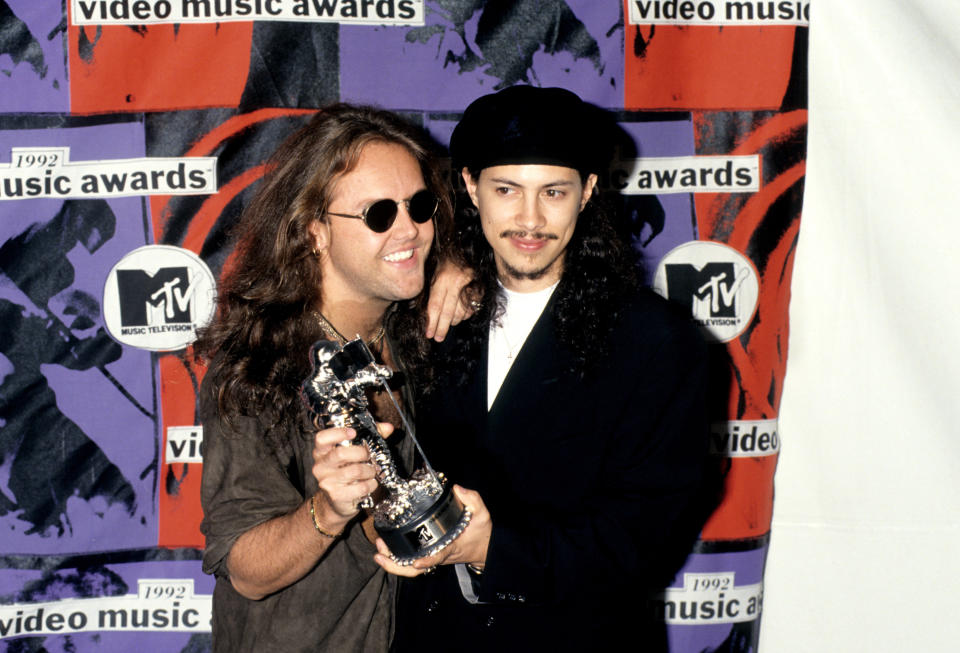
(132, 134)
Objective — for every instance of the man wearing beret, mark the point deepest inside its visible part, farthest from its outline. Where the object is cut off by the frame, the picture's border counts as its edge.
(571, 404)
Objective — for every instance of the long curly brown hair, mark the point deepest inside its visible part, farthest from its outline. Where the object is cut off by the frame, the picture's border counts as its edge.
(257, 344)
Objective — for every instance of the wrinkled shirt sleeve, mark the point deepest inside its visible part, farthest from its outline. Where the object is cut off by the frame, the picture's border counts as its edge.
(244, 484)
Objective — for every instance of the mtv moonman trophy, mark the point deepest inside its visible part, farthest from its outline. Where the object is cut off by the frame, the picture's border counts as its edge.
(420, 516)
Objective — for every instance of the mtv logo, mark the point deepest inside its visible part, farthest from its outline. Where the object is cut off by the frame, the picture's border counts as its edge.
(710, 292)
(424, 536)
(162, 298)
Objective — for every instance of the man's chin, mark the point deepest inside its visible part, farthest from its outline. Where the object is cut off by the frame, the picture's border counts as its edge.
(403, 292)
(525, 274)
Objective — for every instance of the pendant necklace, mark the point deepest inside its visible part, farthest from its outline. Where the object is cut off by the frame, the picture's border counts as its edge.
(331, 331)
(511, 348)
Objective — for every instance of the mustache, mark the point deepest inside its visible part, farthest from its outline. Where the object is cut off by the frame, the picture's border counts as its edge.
(528, 235)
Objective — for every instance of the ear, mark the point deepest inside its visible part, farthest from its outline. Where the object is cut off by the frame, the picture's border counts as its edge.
(471, 185)
(320, 231)
(588, 187)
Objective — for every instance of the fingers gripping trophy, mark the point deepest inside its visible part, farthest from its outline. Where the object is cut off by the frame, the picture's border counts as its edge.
(420, 516)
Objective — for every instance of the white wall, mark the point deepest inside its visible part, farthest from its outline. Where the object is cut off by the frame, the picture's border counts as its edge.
(865, 546)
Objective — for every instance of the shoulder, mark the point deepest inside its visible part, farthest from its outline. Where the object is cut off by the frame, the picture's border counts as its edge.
(460, 339)
(454, 360)
(241, 426)
(645, 308)
(655, 323)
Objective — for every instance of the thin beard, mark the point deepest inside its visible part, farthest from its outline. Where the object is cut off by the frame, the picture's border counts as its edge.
(520, 275)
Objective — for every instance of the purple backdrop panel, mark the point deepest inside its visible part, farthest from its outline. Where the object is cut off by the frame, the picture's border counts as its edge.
(144, 606)
(467, 49)
(32, 60)
(715, 602)
(658, 223)
(441, 129)
(79, 425)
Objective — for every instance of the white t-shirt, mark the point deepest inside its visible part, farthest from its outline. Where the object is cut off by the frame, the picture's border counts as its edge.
(521, 312)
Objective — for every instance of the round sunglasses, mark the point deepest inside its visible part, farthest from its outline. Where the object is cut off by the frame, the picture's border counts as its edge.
(381, 215)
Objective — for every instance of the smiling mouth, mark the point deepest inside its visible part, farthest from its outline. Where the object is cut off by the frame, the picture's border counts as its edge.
(399, 256)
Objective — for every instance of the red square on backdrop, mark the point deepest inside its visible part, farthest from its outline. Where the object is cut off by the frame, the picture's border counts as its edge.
(118, 68)
(706, 67)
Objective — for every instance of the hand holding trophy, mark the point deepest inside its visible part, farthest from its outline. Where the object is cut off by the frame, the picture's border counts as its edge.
(420, 516)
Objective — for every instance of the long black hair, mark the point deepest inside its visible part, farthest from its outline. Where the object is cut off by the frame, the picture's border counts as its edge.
(599, 275)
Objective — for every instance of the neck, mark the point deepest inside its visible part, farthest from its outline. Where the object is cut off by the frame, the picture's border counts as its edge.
(530, 293)
(352, 319)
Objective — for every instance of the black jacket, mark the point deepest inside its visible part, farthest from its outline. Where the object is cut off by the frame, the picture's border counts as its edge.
(589, 481)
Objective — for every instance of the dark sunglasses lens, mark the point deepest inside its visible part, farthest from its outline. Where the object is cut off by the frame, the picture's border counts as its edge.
(423, 205)
(380, 215)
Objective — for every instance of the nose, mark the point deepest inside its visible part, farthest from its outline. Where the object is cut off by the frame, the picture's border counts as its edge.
(530, 217)
(404, 228)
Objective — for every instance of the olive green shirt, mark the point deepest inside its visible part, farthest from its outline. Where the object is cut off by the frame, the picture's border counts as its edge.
(345, 603)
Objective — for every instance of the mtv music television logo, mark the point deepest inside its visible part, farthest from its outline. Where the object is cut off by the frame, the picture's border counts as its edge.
(717, 283)
(157, 297)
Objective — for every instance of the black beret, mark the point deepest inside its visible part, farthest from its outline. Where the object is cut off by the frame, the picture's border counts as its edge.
(529, 125)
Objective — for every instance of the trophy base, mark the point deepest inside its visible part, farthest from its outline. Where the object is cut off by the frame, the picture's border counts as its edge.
(427, 533)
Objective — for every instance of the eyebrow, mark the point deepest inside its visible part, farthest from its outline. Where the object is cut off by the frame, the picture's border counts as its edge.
(509, 182)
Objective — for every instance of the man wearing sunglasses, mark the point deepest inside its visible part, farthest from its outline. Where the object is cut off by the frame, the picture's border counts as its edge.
(346, 228)
(571, 405)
